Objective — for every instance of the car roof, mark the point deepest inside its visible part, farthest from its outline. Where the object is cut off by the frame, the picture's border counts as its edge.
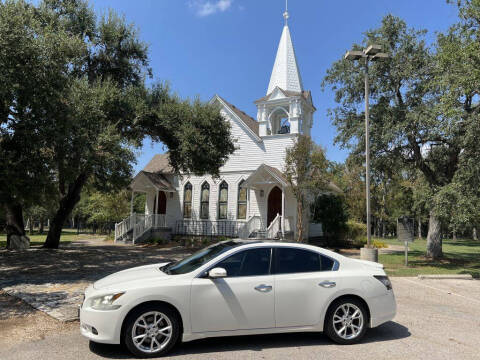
(279, 243)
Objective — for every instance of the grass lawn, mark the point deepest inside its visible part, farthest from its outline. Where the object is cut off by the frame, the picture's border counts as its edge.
(460, 257)
(68, 235)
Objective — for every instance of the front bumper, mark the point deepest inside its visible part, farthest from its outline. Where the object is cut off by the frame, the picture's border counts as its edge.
(101, 326)
(383, 308)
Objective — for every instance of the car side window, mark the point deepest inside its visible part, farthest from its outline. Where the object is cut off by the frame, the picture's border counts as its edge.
(291, 260)
(251, 262)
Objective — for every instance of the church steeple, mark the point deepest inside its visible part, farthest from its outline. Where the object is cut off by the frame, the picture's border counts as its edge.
(287, 109)
(285, 73)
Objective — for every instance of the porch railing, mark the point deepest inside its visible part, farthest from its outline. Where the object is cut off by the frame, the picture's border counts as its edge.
(254, 223)
(227, 228)
(274, 227)
(139, 224)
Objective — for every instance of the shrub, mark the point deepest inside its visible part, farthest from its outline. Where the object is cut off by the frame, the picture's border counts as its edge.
(362, 241)
(355, 231)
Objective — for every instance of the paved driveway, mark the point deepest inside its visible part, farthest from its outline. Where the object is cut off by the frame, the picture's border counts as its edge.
(437, 319)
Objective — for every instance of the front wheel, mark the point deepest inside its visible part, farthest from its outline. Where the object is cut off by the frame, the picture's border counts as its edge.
(151, 331)
(346, 321)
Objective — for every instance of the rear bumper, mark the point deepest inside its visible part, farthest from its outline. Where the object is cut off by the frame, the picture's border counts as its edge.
(101, 326)
(383, 308)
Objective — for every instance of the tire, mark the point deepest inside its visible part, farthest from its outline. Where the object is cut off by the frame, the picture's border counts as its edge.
(142, 321)
(348, 313)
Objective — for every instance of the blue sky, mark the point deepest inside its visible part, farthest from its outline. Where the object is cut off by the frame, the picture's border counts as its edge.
(227, 47)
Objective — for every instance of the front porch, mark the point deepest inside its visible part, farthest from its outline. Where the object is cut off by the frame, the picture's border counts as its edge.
(258, 205)
(139, 227)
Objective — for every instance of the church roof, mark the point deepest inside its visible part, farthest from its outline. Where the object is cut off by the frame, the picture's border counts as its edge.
(160, 163)
(306, 94)
(250, 122)
(285, 73)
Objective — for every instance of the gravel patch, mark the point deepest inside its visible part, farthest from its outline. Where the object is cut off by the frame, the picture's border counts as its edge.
(53, 281)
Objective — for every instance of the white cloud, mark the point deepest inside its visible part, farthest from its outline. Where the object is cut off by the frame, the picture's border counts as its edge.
(206, 7)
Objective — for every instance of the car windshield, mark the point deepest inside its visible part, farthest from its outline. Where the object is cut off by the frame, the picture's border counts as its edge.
(199, 258)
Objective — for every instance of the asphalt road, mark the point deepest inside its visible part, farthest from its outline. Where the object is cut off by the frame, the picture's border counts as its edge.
(436, 319)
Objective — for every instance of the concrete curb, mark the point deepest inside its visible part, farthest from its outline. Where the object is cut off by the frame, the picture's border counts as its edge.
(449, 276)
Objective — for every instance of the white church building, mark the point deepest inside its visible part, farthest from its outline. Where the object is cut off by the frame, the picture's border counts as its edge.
(251, 198)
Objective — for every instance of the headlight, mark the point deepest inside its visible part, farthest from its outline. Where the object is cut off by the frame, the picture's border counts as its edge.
(384, 280)
(105, 302)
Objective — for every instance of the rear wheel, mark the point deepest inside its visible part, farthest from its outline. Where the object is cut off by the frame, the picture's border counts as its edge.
(346, 321)
(151, 330)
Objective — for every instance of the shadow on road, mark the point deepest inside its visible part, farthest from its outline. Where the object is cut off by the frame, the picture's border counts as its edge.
(386, 332)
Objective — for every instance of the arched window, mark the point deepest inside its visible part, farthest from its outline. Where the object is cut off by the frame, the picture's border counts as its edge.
(279, 121)
(242, 201)
(204, 200)
(223, 201)
(187, 201)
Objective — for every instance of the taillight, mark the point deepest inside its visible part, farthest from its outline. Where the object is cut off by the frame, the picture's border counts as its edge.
(384, 280)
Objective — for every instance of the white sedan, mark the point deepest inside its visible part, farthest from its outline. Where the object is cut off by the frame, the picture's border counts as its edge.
(238, 287)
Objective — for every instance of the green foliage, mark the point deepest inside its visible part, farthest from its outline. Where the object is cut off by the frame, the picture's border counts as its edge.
(355, 231)
(196, 135)
(306, 170)
(331, 211)
(424, 114)
(74, 106)
(97, 207)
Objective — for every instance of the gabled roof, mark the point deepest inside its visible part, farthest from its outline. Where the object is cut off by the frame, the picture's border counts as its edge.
(160, 163)
(248, 121)
(157, 180)
(265, 174)
(285, 73)
(306, 94)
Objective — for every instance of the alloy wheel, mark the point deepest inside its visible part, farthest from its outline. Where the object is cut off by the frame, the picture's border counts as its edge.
(348, 321)
(151, 332)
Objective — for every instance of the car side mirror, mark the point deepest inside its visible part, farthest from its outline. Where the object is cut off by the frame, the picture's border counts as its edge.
(217, 273)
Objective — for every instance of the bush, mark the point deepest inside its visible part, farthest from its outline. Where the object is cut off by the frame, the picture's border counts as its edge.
(362, 241)
(355, 231)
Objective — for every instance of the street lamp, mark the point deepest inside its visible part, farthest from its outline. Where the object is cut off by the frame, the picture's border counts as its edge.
(371, 53)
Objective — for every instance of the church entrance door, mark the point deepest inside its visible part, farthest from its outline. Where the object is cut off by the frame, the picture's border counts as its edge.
(274, 204)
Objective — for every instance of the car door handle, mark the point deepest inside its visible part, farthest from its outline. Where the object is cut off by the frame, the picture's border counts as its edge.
(263, 288)
(328, 284)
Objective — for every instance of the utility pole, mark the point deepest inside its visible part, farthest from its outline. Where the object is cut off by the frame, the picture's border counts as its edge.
(371, 53)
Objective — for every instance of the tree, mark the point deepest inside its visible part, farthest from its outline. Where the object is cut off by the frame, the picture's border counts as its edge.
(331, 211)
(103, 208)
(408, 125)
(34, 62)
(306, 172)
(90, 110)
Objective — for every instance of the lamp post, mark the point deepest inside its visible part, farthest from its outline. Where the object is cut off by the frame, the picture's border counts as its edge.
(371, 53)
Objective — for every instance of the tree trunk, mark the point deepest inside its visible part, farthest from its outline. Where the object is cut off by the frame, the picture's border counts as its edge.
(474, 235)
(299, 220)
(30, 226)
(434, 238)
(419, 228)
(66, 206)
(454, 235)
(383, 229)
(40, 228)
(16, 237)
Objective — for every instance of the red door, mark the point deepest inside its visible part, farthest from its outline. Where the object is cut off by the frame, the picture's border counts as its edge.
(274, 204)
(162, 203)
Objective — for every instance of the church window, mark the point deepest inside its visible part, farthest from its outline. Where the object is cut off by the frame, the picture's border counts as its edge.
(187, 201)
(204, 200)
(242, 201)
(223, 201)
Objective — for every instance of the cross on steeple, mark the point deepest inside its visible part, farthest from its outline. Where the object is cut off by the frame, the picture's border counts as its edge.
(285, 14)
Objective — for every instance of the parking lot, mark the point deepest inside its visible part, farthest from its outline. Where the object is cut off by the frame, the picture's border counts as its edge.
(437, 319)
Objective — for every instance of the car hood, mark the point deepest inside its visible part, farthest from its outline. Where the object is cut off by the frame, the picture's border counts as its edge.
(127, 278)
